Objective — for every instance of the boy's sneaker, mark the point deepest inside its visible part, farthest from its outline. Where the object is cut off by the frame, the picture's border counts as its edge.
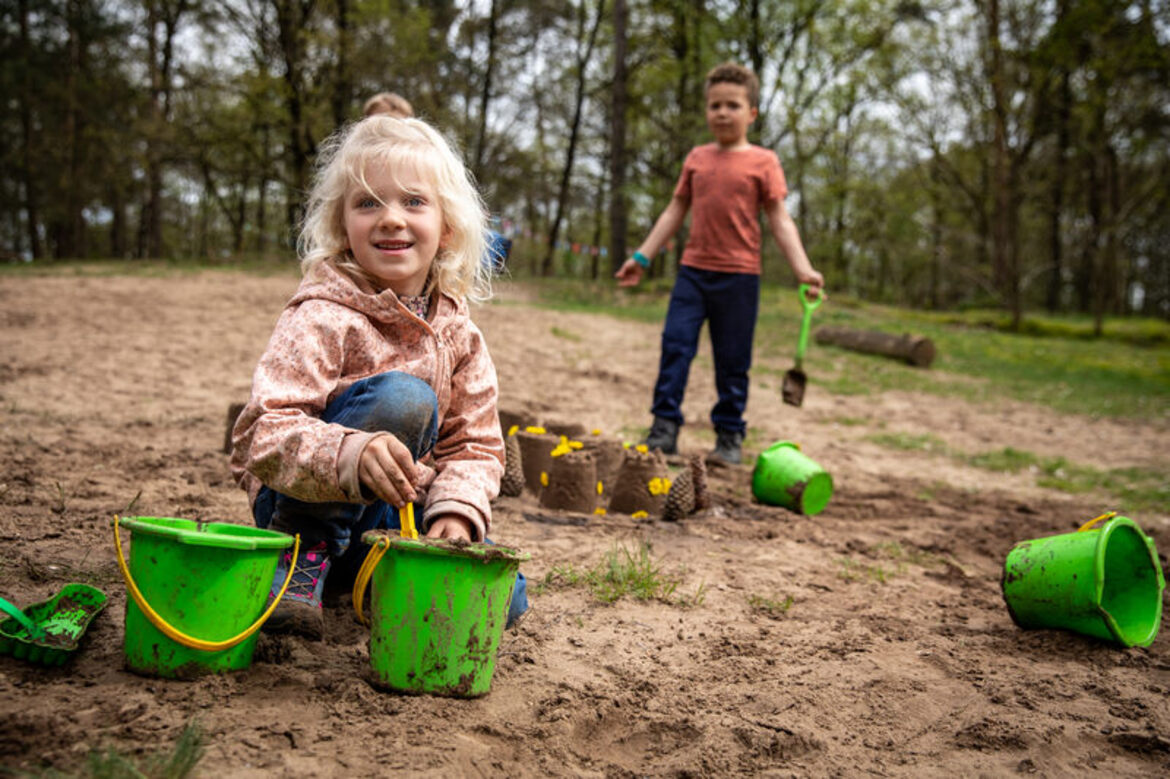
(728, 448)
(663, 435)
(299, 611)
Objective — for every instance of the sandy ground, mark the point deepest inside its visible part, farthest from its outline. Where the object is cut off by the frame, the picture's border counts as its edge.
(114, 388)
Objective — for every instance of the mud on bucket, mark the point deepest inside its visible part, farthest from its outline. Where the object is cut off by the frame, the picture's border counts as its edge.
(784, 476)
(196, 593)
(1104, 582)
(437, 612)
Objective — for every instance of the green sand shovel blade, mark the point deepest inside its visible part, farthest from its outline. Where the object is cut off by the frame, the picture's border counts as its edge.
(61, 620)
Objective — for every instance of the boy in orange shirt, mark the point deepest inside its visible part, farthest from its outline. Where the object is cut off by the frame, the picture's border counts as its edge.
(725, 183)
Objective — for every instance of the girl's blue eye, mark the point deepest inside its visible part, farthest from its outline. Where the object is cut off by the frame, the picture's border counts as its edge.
(367, 202)
(415, 202)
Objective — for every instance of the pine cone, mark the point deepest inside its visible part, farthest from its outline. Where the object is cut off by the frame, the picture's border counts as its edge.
(513, 482)
(699, 482)
(680, 501)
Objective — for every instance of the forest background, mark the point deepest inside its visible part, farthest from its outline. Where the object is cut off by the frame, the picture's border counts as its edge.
(1012, 154)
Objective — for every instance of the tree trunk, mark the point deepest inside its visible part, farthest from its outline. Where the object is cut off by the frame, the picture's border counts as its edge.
(574, 132)
(1056, 197)
(342, 86)
(485, 93)
(1005, 274)
(31, 190)
(914, 349)
(618, 221)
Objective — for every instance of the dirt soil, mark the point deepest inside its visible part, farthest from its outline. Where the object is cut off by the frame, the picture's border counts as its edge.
(895, 657)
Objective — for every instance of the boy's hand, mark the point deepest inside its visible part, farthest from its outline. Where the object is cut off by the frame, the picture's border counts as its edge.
(629, 274)
(814, 280)
(450, 526)
(386, 467)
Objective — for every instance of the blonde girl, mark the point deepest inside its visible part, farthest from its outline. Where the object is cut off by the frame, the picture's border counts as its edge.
(376, 389)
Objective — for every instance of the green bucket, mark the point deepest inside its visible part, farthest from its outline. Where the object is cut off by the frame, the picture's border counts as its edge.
(784, 476)
(438, 611)
(197, 594)
(1104, 582)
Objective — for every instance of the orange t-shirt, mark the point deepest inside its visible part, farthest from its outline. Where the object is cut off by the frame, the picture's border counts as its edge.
(726, 190)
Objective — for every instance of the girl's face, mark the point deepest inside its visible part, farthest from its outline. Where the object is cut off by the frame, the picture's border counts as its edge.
(395, 228)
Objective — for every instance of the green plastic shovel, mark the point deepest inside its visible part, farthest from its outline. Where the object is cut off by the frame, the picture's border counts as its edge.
(795, 380)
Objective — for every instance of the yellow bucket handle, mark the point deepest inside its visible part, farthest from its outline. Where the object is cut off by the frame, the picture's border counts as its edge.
(1089, 525)
(377, 551)
(175, 635)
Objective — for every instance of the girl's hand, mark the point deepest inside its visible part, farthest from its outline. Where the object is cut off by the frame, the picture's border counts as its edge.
(386, 467)
(450, 526)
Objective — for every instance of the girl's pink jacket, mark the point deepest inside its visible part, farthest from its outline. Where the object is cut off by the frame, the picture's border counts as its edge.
(336, 331)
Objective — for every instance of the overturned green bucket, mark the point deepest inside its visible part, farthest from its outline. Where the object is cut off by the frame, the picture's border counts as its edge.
(196, 593)
(785, 476)
(1104, 582)
(437, 612)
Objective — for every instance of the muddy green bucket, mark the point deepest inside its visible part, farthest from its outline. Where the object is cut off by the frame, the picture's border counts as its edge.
(437, 612)
(1104, 582)
(784, 476)
(196, 594)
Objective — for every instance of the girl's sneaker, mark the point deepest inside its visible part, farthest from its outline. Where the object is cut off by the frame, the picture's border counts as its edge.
(299, 611)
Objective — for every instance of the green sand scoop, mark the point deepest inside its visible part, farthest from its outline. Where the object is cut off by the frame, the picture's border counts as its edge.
(49, 632)
(1104, 582)
(794, 380)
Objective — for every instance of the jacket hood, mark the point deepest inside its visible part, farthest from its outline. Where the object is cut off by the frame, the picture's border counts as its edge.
(326, 282)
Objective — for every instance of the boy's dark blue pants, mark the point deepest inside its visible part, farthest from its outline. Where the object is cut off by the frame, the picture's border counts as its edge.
(394, 402)
(729, 303)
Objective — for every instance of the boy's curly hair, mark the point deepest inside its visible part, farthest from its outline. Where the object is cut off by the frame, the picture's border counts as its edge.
(732, 73)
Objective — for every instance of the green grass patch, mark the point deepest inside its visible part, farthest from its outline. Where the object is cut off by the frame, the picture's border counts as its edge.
(625, 572)
(178, 762)
(851, 570)
(774, 608)
(1136, 489)
(568, 335)
(909, 442)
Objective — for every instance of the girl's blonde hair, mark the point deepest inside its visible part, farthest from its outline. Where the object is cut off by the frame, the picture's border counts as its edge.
(345, 157)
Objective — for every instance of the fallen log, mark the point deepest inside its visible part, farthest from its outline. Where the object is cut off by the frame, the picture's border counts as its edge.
(914, 349)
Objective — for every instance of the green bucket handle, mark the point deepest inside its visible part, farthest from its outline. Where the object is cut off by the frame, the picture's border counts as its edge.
(377, 551)
(808, 307)
(176, 635)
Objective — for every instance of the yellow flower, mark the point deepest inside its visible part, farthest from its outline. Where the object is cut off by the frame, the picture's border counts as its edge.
(576, 445)
(600, 490)
(559, 450)
(659, 486)
(544, 478)
(599, 510)
(641, 448)
(512, 430)
(534, 430)
(596, 431)
(625, 444)
(639, 515)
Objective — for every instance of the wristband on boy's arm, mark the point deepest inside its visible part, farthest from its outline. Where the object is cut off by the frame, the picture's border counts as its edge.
(641, 259)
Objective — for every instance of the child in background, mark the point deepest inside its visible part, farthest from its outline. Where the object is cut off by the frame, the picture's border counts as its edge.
(376, 389)
(726, 183)
(390, 104)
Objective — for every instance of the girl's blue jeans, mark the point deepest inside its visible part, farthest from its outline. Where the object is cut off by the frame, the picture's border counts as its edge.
(392, 402)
